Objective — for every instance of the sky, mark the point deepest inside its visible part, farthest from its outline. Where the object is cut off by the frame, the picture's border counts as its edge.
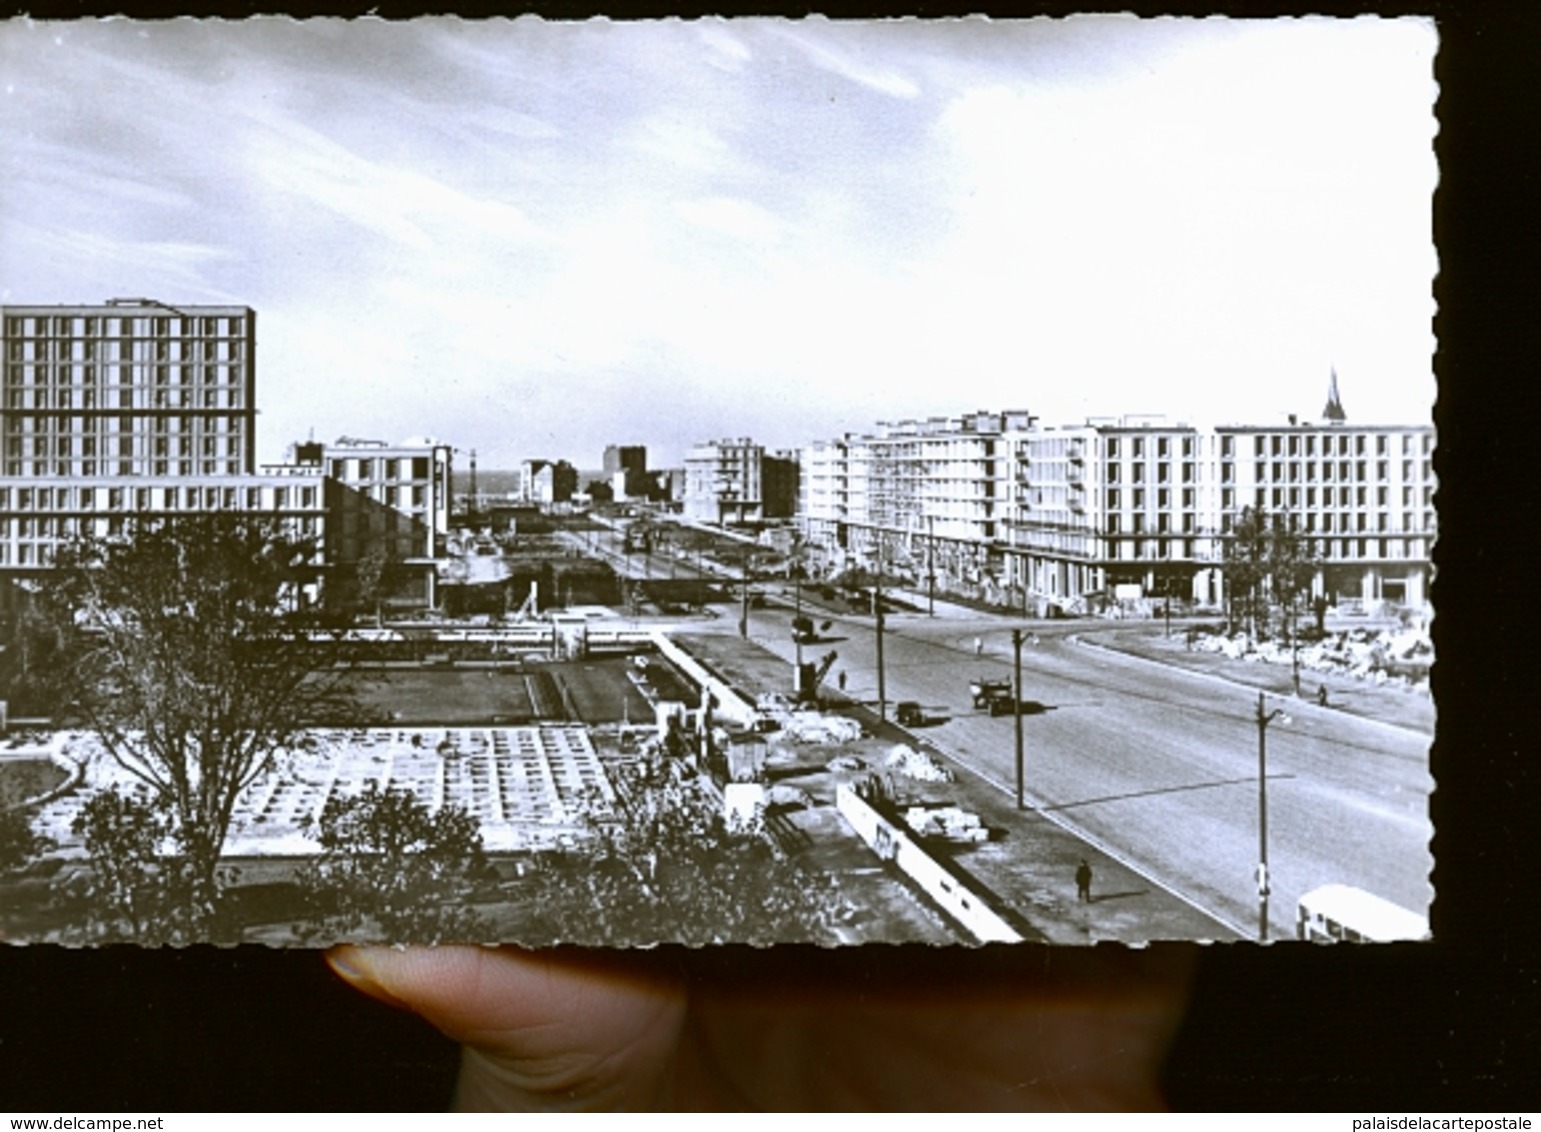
(535, 239)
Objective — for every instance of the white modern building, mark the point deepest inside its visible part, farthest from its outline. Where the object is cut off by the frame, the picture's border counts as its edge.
(128, 410)
(1001, 508)
(722, 481)
(390, 500)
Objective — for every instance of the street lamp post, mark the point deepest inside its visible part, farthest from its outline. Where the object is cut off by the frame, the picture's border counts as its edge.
(1294, 645)
(877, 626)
(743, 619)
(797, 610)
(1016, 708)
(930, 565)
(1263, 720)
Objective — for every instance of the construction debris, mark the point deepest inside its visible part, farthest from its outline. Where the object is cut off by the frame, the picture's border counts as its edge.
(917, 765)
(1382, 657)
(945, 822)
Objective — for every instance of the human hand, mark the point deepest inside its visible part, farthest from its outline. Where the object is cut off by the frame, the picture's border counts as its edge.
(877, 1029)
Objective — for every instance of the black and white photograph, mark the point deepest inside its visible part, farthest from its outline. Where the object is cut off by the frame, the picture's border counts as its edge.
(717, 481)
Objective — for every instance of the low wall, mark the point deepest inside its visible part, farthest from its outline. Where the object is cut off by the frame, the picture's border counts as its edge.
(728, 704)
(894, 843)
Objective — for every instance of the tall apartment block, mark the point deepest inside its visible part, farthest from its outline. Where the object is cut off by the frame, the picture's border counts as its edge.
(128, 409)
(132, 388)
(998, 506)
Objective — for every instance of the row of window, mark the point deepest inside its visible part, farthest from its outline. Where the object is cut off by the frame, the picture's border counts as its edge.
(225, 393)
(113, 326)
(124, 446)
(1138, 447)
(1281, 472)
(19, 467)
(357, 470)
(193, 498)
(1350, 444)
(125, 424)
(397, 497)
(1332, 549)
(1291, 499)
(113, 351)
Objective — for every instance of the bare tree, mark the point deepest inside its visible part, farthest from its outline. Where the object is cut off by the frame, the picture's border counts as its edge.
(188, 649)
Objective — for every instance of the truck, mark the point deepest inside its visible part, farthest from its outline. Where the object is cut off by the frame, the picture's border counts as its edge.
(994, 695)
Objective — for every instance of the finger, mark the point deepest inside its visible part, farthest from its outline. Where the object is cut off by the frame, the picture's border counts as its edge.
(1017, 1028)
(542, 1030)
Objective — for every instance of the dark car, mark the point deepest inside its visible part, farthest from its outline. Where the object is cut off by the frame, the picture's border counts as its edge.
(908, 714)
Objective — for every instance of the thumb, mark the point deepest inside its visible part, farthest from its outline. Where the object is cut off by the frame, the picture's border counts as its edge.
(542, 1030)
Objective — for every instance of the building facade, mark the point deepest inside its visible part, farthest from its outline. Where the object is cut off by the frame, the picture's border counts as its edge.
(130, 410)
(723, 482)
(386, 500)
(1000, 508)
(130, 388)
(625, 470)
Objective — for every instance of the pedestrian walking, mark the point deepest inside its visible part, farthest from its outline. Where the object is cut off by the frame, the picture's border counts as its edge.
(1083, 882)
(979, 646)
(1321, 695)
(840, 679)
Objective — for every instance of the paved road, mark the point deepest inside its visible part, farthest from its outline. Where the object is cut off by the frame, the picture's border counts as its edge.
(1160, 766)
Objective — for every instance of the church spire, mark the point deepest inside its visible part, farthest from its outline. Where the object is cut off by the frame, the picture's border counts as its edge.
(1334, 410)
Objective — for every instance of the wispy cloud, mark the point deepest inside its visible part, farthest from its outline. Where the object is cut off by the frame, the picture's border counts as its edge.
(812, 37)
(400, 204)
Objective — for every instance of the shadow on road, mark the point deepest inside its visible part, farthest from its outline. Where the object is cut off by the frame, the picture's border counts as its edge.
(1119, 895)
(1250, 780)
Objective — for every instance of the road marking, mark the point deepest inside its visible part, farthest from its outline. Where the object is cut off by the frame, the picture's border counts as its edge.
(1091, 839)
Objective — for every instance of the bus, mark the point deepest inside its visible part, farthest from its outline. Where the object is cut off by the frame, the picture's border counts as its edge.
(1341, 912)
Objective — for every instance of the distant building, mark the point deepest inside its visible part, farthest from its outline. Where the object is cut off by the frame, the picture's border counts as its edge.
(548, 482)
(669, 487)
(779, 480)
(625, 470)
(999, 507)
(723, 482)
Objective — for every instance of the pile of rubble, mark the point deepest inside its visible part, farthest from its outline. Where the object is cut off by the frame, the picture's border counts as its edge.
(798, 723)
(1399, 656)
(945, 822)
(917, 765)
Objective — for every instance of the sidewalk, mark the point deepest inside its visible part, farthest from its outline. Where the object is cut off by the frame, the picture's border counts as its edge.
(1029, 863)
(1396, 704)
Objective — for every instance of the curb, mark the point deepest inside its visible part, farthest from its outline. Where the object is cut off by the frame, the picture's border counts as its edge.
(1297, 701)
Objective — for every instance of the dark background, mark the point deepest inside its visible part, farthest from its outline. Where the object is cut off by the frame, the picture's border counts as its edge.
(1452, 1025)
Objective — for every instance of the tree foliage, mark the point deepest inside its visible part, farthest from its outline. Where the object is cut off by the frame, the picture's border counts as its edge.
(19, 841)
(1267, 559)
(664, 866)
(186, 648)
(138, 886)
(392, 870)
